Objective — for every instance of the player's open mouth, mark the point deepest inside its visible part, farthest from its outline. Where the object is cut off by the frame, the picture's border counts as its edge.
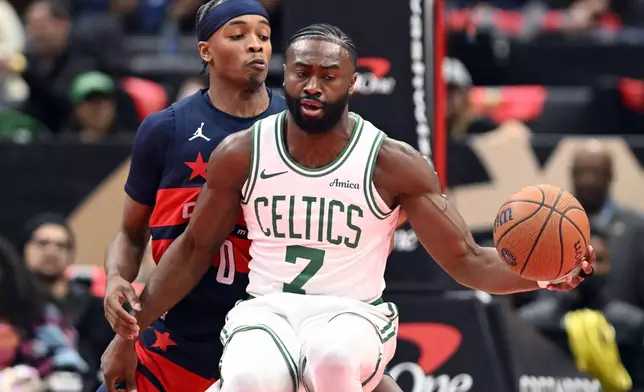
(310, 108)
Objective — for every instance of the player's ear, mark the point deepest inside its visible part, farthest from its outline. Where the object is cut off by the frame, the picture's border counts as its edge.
(354, 77)
(204, 52)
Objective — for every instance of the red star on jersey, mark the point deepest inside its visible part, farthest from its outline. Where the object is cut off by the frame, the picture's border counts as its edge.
(198, 167)
(163, 341)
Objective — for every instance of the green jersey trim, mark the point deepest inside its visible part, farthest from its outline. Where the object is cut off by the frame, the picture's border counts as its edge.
(368, 179)
(247, 191)
(322, 171)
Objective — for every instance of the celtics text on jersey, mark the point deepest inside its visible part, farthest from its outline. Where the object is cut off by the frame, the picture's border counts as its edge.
(322, 231)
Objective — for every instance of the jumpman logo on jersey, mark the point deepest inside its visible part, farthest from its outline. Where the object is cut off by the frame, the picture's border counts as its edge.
(199, 133)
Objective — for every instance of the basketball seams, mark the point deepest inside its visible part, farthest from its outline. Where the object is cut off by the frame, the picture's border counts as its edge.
(543, 228)
(528, 217)
(547, 206)
(563, 214)
(561, 244)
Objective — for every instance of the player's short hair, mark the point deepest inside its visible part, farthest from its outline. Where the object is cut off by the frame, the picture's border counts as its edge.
(201, 12)
(326, 32)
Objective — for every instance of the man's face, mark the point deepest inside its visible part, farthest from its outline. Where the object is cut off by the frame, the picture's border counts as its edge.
(240, 50)
(49, 251)
(591, 176)
(96, 115)
(318, 79)
(46, 34)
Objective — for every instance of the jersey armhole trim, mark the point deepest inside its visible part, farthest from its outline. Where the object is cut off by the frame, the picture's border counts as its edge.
(368, 179)
(247, 190)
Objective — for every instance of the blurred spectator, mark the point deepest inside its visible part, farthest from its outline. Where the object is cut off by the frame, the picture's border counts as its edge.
(54, 56)
(144, 16)
(95, 114)
(20, 378)
(32, 332)
(461, 120)
(48, 250)
(12, 40)
(49, 68)
(592, 175)
(18, 127)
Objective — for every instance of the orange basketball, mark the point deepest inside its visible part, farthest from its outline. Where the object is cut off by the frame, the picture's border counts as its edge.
(542, 232)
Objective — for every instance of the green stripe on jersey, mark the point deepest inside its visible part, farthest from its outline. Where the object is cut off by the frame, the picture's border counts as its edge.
(368, 178)
(254, 163)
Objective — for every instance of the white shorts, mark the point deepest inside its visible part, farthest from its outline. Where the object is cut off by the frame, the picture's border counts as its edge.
(291, 319)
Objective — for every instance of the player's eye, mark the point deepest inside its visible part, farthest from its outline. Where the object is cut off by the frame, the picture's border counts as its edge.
(264, 37)
(329, 78)
(300, 74)
(236, 37)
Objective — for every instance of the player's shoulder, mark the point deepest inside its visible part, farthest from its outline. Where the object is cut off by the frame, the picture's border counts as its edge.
(237, 145)
(189, 101)
(402, 168)
(156, 129)
(161, 121)
(395, 153)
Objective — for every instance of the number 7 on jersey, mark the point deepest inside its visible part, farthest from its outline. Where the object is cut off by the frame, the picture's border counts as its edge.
(315, 259)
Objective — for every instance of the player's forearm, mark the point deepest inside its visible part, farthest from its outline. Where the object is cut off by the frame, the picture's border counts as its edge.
(180, 269)
(485, 271)
(124, 255)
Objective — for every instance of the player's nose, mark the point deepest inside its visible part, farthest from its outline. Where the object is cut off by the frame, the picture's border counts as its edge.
(255, 45)
(312, 87)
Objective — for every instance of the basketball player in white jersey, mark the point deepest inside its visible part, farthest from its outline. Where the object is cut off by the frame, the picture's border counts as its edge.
(321, 189)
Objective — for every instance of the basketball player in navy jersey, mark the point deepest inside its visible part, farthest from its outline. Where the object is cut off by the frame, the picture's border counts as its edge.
(181, 350)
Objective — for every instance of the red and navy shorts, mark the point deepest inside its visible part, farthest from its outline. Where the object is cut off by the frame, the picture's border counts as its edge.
(155, 373)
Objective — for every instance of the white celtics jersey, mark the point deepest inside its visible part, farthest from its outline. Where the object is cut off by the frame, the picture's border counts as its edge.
(322, 231)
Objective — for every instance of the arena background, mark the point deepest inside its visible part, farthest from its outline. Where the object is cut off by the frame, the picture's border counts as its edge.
(450, 340)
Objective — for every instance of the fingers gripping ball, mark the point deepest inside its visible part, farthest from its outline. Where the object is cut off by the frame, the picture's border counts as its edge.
(542, 233)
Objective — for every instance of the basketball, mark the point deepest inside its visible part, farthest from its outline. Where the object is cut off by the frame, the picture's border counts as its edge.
(542, 233)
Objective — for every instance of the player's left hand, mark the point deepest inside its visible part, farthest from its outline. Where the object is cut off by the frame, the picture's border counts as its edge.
(575, 279)
(118, 364)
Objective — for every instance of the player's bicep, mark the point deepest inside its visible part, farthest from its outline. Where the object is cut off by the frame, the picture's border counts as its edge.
(437, 223)
(219, 203)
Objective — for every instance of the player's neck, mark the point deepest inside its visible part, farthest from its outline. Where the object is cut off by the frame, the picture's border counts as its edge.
(317, 149)
(237, 102)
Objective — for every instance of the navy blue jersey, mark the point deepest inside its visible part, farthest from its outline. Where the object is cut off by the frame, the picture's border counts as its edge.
(168, 169)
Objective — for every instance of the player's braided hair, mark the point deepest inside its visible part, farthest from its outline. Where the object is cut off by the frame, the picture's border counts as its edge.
(326, 32)
(201, 12)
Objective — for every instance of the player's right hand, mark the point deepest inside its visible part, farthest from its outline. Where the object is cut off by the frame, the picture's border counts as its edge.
(118, 365)
(117, 291)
